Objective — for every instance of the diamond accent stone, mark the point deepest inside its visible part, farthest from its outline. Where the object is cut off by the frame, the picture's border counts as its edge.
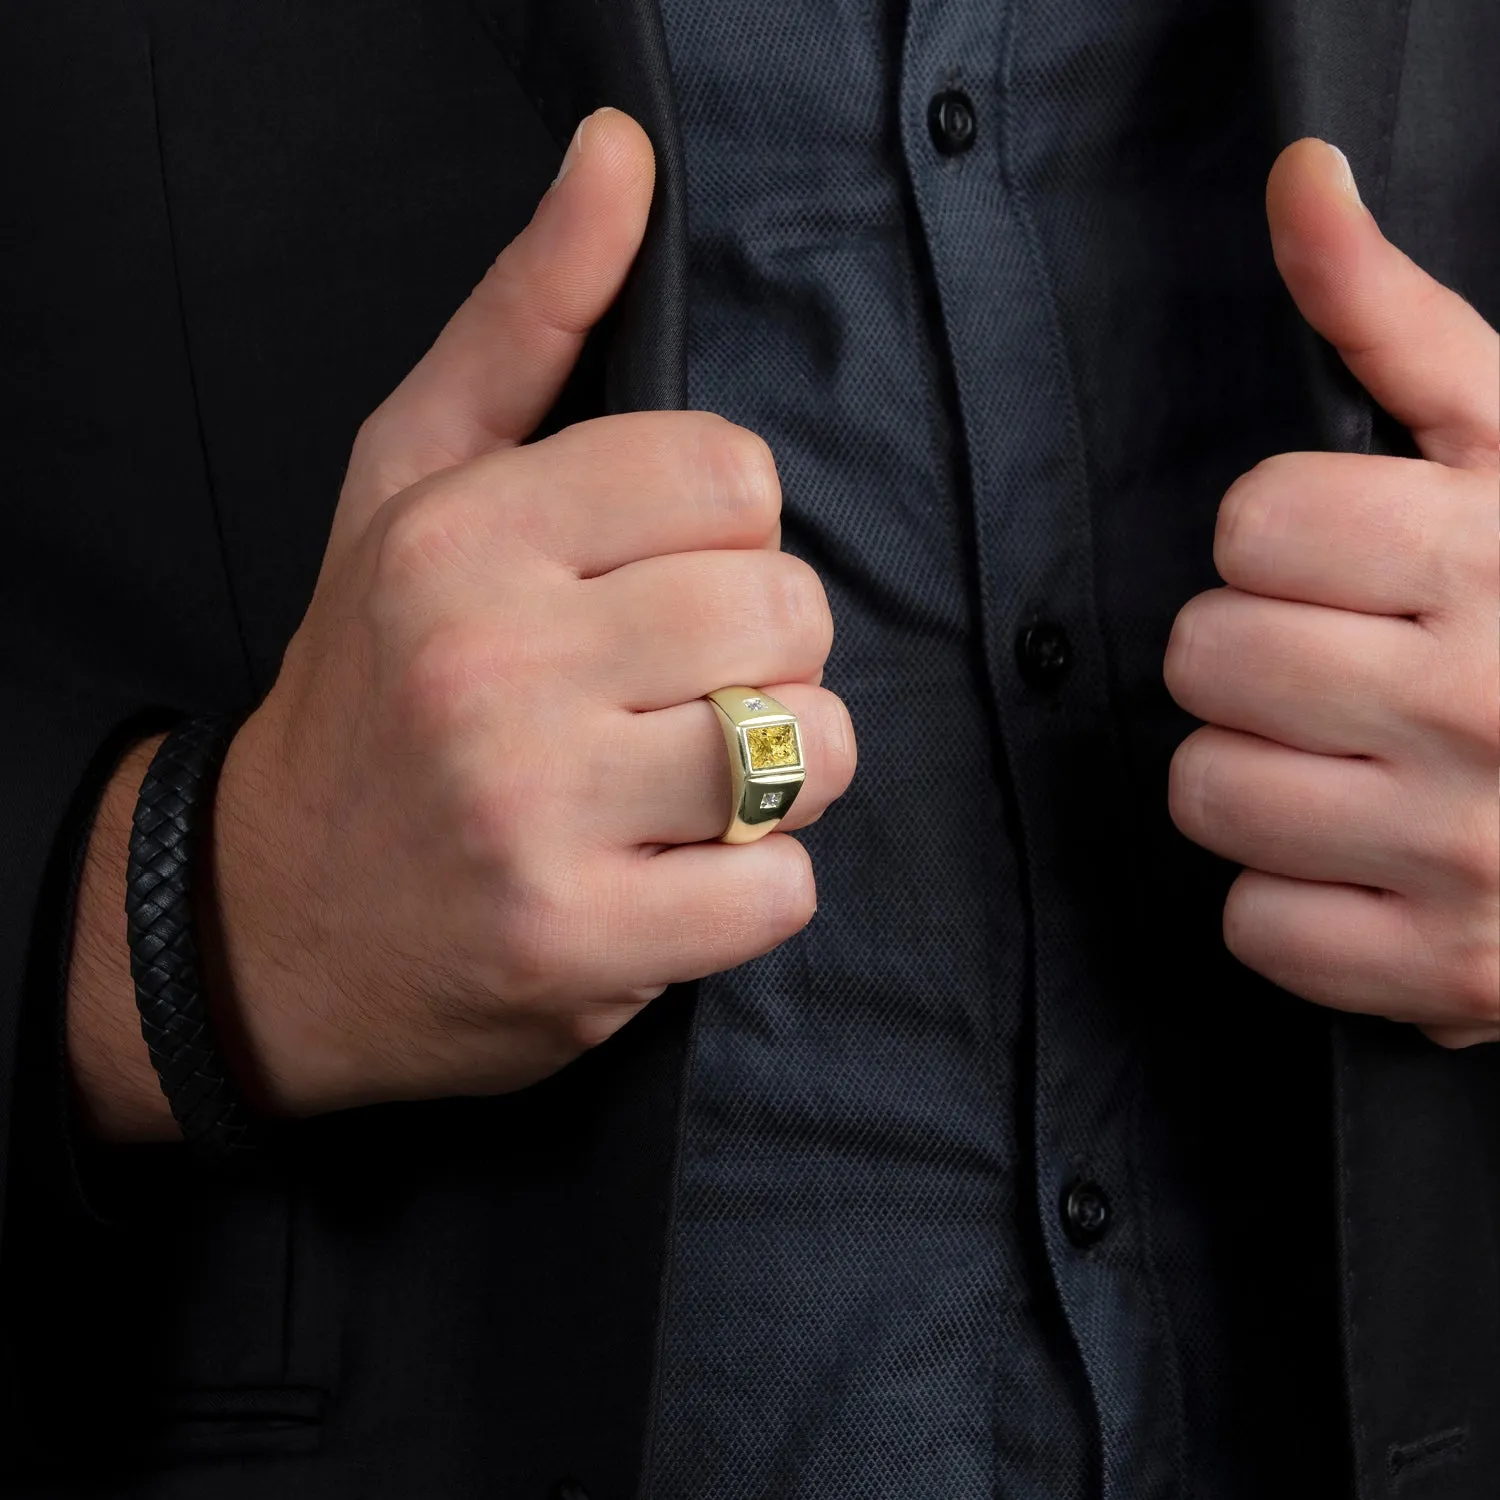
(769, 800)
(772, 745)
(755, 704)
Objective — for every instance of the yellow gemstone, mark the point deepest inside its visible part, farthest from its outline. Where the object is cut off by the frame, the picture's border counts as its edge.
(773, 745)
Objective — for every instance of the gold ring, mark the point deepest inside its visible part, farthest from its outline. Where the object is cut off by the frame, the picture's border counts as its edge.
(766, 769)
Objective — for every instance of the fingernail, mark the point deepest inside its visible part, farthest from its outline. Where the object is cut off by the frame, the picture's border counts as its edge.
(575, 146)
(1349, 185)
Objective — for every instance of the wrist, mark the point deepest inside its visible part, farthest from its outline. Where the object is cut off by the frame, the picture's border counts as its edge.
(267, 940)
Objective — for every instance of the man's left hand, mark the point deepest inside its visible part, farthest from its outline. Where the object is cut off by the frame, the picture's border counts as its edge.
(1349, 673)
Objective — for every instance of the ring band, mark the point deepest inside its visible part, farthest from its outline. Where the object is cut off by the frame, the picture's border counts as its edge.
(766, 768)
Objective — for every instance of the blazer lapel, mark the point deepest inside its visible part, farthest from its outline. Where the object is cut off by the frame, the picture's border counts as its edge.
(1419, 1316)
(572, 57)
(1335, 73)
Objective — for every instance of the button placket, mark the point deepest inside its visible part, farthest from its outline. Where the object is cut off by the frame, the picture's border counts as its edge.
(1033, 536)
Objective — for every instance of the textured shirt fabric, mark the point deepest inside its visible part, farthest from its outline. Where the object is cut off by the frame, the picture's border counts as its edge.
(1005, 387)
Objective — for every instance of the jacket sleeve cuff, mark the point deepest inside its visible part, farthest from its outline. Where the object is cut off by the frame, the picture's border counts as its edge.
(51, 1144)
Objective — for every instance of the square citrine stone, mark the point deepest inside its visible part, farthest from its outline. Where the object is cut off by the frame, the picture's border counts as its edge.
(773, 745)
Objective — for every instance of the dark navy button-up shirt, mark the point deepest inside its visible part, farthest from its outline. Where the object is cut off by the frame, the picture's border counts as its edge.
(977, 1172)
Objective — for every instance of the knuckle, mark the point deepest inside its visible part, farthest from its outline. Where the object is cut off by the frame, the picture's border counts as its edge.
(424, 530)
(791, 897)
(1251, 514)
(435, 694)
(828, 739)
(506, 880)
(380, 452)
(798, 888)
(737, 475)
(1187, 786)
(492, 821)
(1276, 468)
(523, 809)
(1183, 665)
(586, 774)
(837, 738)
(1242, 926)
(799, 601)
(1207, 791)
(538, 925)
(371, 437)
(805, 905)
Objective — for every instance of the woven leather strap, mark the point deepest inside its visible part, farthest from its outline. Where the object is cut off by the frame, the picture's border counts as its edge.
(164, 958)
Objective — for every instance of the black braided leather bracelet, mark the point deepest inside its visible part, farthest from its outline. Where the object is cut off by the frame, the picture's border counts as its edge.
(164, 956)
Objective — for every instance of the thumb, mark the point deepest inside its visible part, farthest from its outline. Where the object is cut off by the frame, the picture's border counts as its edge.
(1418, 348)
(500, 363)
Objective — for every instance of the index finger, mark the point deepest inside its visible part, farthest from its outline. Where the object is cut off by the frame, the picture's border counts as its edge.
(621, 489)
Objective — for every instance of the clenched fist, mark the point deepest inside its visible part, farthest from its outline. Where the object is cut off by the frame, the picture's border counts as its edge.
(1350, 670)
(470, 831)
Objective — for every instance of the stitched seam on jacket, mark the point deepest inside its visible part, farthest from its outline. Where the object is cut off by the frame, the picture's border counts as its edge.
(192, 375)
(1063, 365)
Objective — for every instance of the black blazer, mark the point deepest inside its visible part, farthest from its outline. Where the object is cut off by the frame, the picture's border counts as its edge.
(228, 230)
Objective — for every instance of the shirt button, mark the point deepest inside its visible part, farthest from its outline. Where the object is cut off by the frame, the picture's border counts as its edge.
(1085, 1212)
(952, 121)
(1043, 654)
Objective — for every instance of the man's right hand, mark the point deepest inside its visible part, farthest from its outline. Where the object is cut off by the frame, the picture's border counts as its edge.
(470, 832)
